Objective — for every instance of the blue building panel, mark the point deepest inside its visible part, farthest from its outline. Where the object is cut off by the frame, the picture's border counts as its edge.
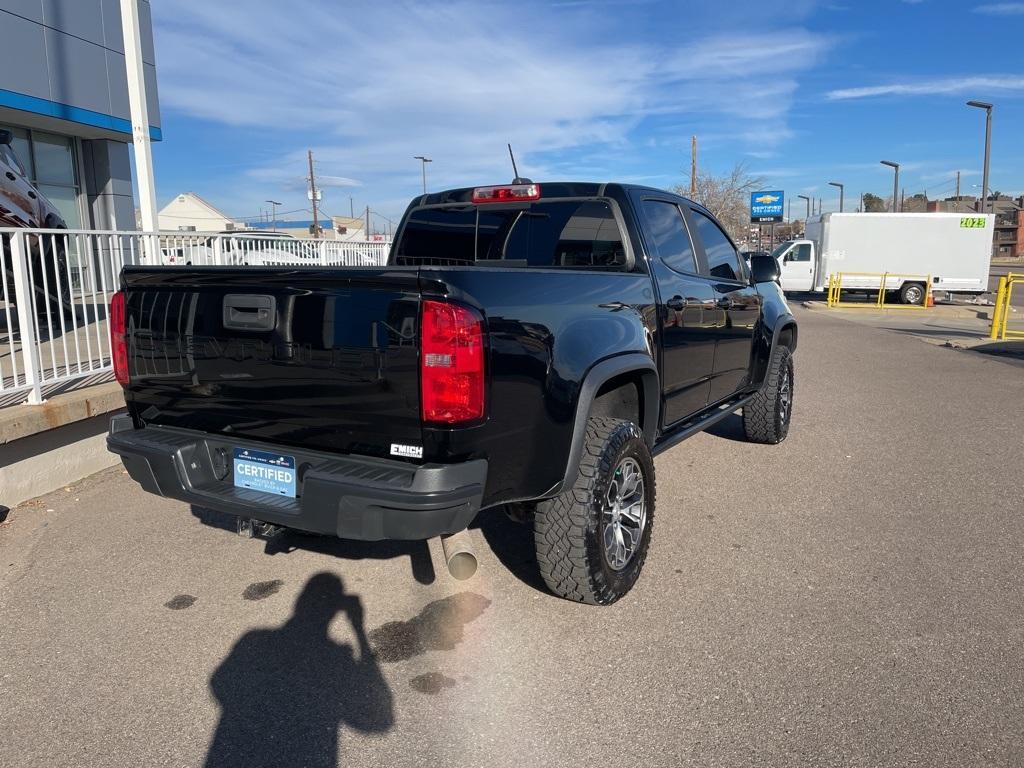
(65, 59)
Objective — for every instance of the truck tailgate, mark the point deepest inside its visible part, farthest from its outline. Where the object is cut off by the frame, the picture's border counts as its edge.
(323, 359)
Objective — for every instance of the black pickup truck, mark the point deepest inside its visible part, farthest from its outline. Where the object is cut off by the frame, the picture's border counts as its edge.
(529, 345)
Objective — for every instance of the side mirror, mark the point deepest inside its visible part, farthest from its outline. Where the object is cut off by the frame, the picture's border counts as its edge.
(6, 136)
(763, 269)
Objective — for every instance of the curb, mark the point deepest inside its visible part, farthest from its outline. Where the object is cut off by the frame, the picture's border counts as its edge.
(972, 312)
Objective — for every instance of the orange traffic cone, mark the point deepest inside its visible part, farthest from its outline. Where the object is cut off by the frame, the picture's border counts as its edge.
(929, 301)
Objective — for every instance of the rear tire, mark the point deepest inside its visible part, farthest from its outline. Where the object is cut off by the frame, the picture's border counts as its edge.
(592, 540)
(766, 417)
(912, 293)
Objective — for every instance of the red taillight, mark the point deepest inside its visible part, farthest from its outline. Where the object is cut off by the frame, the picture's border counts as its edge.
(506, 194)
(451, 363)
(118, 343)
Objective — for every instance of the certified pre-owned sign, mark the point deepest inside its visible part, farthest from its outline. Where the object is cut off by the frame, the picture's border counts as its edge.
(766, 207)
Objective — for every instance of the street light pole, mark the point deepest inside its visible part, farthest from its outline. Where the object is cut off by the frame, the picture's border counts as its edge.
(837, 184)
(423, 162)
(273, 208)
(805, 197)
(895, 183)
(988, 143)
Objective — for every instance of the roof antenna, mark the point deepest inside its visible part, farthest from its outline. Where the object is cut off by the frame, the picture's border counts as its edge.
(518, 179)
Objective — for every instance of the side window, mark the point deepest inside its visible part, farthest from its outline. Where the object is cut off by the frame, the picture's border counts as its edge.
(668, 231)
(572, 234)
(801, 253)
(723, 261)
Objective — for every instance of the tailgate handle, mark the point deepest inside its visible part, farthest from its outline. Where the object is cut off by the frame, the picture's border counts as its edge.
(249, 312)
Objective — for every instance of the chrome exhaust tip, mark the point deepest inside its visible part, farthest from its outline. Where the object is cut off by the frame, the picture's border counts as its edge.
(458, 555)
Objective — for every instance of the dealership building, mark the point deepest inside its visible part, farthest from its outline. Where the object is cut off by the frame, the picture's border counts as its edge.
(64, 95)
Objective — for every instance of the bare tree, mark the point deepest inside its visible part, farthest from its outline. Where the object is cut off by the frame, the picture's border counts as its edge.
(727, 197)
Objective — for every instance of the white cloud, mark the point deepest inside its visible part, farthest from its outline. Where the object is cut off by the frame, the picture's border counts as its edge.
(1001, 9)
(949, 175)
(949, 85)
(372, 86)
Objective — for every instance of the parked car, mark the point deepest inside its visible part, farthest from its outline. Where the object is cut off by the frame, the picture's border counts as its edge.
(22, 206)
(528, 344)
(236, 247)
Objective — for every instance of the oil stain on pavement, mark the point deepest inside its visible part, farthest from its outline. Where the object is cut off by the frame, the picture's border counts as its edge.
(260, 590)
(438, 627)
(432, 683)
(180, 602)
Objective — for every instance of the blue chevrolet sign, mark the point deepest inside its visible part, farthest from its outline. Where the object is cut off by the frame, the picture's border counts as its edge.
(766, 207)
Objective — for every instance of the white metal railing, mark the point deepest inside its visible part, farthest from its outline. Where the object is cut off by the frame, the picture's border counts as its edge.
(55, 289)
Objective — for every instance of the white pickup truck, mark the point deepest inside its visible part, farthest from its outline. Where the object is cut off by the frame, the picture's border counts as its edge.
(953, 250)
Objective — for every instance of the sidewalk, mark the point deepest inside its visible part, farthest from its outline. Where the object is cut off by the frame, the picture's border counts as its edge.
(45, 447)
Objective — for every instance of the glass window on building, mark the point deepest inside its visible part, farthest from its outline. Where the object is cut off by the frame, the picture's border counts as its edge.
(52, 166)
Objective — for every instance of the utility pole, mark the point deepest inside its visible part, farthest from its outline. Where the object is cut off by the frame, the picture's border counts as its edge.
(312, 194)
(958, 186)
(367, 222)
(351, 208)
(273, 207)
(693, 167)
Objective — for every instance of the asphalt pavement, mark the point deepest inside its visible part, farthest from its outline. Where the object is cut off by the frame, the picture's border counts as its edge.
(1001, 270)
(852, 597)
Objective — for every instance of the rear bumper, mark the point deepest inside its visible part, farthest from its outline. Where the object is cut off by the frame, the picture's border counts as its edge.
(351, 497)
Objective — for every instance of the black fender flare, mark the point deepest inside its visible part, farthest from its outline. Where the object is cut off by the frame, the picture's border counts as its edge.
(782, 323)
(764, 347)
(598, 375)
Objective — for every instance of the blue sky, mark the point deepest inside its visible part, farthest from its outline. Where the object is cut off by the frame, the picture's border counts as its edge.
(803, 92)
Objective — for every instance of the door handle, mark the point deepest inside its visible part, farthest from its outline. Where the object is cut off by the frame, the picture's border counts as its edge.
(11, 176)
(725, 303)
(32, 194)
(676, 303)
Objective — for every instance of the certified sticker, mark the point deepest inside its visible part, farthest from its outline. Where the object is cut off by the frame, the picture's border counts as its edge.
(265, 472)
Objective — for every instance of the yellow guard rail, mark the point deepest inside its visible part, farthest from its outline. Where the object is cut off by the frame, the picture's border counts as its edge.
(835, 288)
(1001, 313)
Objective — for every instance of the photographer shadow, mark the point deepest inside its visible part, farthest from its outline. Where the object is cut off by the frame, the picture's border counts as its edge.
(285, 692)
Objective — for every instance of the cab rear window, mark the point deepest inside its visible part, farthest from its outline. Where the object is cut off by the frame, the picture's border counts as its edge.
(568, 234)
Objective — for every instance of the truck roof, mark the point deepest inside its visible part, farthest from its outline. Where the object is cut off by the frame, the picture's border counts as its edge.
(548, 189)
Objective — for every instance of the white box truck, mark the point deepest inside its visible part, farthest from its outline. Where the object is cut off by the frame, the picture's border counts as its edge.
(953, 249)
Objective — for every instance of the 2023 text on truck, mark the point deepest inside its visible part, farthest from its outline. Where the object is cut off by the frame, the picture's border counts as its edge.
(528, 345)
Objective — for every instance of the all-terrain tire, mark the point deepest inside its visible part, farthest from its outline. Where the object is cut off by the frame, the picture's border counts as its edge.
(766, 417)
(569, 529)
